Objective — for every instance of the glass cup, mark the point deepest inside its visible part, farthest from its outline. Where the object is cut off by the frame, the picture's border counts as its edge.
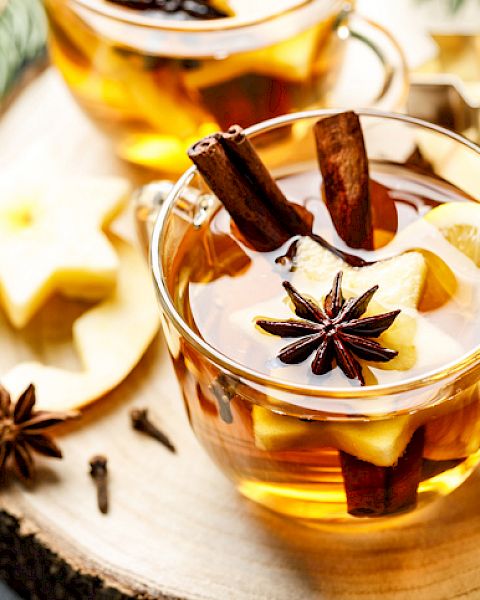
(157, 84)
(276, 440)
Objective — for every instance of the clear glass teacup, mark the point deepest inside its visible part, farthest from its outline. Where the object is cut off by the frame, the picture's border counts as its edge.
(313, 450)
(156, 84)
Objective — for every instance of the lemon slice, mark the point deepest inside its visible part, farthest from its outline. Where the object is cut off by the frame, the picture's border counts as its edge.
(459, 223)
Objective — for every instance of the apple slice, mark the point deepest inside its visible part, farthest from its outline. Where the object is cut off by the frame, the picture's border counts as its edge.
(290, 60)
(400, 279)
(110, 339)
(381, 460)
(51, 240)
(379, 442)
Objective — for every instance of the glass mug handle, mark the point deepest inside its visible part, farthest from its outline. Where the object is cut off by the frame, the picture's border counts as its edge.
(395, 83)
(194, 206)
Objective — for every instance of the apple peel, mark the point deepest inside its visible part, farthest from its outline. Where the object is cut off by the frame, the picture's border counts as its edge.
(110, 339)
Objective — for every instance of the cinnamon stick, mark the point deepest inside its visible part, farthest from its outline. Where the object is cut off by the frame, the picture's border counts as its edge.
(376, 491)
(344, 165)
(239, 147)
(236, 175)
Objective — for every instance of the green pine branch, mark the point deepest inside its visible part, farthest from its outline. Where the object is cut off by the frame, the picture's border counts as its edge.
(23, 32)
(453, 5)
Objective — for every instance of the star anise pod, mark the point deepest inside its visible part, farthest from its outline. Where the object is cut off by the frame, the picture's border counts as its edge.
(336, 332)
(23, 432)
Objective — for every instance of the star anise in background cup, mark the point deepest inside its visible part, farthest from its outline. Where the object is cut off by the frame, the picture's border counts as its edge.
(336, 332)
(23, 432)
(198, 9)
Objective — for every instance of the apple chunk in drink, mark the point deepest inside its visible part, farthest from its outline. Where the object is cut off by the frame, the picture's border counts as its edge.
(336, 282)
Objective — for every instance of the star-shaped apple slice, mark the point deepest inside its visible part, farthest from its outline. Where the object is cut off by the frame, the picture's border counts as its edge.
(52, 240)
(109, 339)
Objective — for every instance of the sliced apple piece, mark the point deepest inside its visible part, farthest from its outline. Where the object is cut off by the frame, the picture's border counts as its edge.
(290, 60)
(276, 432)
(378, 442)
(110, 339)
(51, 240)
(400, 279)
(376, 491)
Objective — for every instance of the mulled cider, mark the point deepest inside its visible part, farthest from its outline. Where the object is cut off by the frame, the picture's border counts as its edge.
(322, 323)
(159, 74)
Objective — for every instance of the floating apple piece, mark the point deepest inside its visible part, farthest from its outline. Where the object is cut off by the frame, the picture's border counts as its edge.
(400, 279)
(379, 442)
(375, 491)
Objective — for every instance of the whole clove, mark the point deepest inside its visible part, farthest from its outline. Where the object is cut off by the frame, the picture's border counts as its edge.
(141, 422)
(99, 474)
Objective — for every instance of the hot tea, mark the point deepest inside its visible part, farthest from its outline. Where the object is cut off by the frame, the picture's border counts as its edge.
(156, 77)
(372, 280)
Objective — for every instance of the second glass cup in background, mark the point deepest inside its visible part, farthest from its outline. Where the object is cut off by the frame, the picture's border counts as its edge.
(156, 85)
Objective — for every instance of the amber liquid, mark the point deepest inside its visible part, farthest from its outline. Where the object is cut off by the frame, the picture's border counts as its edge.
(155, 106)
(291, 464)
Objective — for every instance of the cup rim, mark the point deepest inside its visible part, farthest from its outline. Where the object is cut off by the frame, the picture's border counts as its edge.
(462, 364)
(130, 17)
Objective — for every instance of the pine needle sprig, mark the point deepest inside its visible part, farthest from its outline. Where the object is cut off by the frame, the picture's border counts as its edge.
(23, 34)
(453, 6)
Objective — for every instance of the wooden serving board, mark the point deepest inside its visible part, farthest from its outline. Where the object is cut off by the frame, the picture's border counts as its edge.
(177, 529)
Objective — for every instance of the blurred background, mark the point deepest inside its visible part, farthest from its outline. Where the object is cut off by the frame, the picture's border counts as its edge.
(437, 36)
